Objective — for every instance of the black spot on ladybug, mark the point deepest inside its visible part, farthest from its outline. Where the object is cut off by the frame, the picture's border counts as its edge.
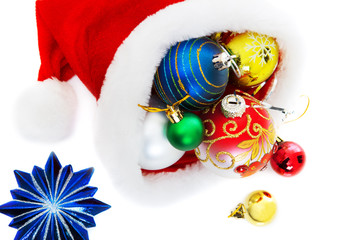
(300, 158)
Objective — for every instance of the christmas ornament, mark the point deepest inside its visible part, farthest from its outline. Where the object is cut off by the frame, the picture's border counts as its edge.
(239, 136)
(187, 134)
(289, 158)
(257, 56)
(54, 203)
(259, 208)
(196, 67)
(184, 130)
(157, 152)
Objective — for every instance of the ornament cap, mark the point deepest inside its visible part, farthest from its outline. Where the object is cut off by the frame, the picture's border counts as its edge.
(224, 60)
(174, 114)
(233, 105)
(239, 211)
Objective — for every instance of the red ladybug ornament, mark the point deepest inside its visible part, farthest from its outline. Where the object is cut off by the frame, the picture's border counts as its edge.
(289, 159)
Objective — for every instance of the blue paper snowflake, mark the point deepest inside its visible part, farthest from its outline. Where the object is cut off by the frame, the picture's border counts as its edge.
(54, 203)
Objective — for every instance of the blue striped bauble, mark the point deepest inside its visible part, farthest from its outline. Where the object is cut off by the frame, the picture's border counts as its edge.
(187, 68)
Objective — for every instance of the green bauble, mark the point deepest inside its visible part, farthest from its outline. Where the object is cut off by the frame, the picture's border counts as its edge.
(187, 134)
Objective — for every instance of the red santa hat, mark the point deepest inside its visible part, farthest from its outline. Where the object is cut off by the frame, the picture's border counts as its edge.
(114, 48)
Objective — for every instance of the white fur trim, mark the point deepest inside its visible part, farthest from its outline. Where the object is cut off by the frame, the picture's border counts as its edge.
(46, 111)
(129, 79)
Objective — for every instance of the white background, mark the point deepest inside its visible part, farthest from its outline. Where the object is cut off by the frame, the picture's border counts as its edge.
(322, 202)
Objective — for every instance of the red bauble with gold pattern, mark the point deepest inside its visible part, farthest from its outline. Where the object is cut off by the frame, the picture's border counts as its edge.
(237, 146)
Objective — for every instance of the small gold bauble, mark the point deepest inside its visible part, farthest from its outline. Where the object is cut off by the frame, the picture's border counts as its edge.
(259, 208)
(258, 56)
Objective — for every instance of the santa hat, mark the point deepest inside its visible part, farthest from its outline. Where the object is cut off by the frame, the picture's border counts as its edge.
(114, 48)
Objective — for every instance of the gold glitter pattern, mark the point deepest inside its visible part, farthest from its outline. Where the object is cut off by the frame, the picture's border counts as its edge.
(211, 122)
(261, 140)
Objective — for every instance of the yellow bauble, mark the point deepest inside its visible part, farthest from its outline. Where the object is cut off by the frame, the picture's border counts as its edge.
(257, 56)
(259, 208)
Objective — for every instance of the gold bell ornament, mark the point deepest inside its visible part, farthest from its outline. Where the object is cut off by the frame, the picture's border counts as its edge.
(259, 208)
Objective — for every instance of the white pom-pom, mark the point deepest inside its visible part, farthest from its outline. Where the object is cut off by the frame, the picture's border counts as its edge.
(46, 111)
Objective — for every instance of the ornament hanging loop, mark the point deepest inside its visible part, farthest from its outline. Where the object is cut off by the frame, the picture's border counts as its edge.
(286, 113)
(173, 112)
(306, 109)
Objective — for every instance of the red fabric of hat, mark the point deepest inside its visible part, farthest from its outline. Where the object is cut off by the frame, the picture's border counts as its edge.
(81, 37)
